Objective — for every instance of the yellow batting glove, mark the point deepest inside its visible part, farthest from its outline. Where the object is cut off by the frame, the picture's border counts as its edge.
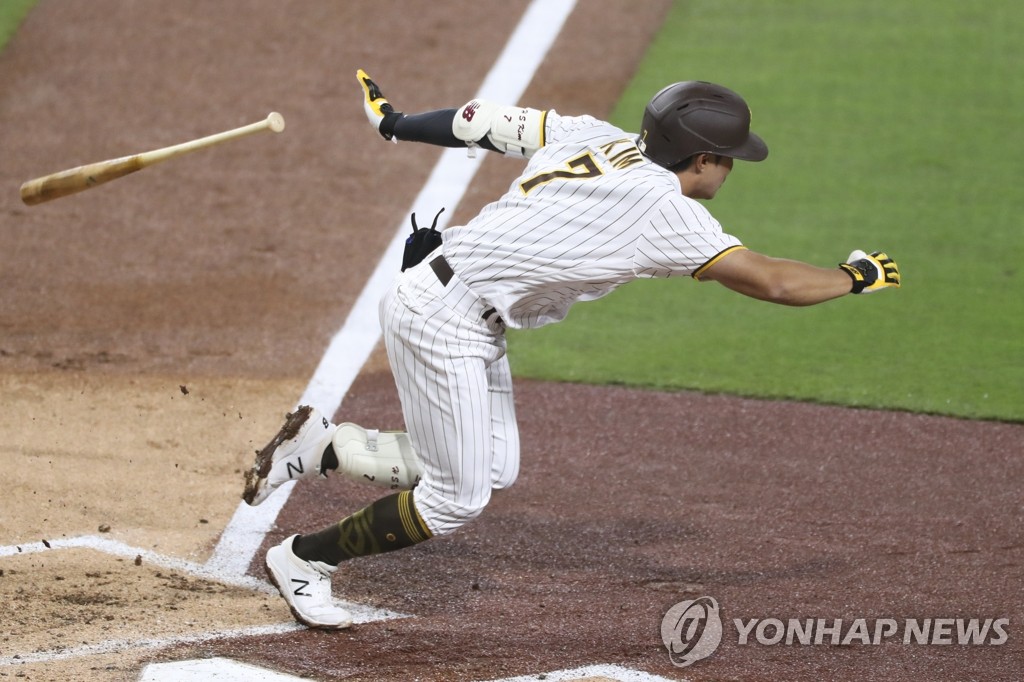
(871, 273)
(375, 105)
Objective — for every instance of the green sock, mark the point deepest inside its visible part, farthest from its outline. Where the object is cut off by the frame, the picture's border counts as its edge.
(388, 524)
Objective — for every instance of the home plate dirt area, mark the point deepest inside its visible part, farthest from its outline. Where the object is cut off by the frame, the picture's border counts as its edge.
(155, 330)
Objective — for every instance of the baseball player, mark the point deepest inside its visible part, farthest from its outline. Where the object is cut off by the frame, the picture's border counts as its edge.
(595, 207)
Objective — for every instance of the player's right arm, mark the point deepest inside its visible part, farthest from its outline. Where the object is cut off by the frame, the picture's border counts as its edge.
(515, 131)
(795, 283)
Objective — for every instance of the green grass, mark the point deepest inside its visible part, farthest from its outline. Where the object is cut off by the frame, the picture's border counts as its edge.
(11, 14)
(892, 125)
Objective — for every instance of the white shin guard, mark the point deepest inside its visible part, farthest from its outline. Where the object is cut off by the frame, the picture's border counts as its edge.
(383, 458)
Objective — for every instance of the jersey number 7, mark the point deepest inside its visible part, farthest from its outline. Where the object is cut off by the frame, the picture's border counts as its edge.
(579, 168)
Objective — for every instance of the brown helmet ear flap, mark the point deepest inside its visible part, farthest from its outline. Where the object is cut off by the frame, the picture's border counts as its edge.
(691, 117)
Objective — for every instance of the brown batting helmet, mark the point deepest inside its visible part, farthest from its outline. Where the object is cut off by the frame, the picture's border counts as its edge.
(695, 117)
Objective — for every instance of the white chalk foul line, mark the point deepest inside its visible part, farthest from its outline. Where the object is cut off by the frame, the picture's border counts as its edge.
(352, 345)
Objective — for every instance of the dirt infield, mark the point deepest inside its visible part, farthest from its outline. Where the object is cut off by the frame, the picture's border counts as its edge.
(153, 332)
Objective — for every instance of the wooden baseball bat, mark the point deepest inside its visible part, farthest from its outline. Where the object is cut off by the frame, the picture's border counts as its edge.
(85, 177)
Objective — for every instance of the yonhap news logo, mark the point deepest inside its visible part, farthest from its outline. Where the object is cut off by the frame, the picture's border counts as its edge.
(693, 630)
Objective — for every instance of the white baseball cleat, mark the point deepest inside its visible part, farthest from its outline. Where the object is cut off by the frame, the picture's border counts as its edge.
(296, 452)
(306, 586)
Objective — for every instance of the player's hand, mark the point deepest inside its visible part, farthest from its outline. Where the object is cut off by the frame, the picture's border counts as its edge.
(871, 273)
(375, 105)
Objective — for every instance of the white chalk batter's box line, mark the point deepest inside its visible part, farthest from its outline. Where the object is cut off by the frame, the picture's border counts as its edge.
(360, 613)
(119, 549)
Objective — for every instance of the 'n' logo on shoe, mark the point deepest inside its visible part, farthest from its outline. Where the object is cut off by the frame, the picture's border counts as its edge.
(294, 469)
(303, 584)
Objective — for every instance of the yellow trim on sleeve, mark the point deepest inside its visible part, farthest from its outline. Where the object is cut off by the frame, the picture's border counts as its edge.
(543, 127)
(699, 271)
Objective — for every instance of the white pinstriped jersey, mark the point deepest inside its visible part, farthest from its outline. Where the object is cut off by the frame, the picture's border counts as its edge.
(588, 214)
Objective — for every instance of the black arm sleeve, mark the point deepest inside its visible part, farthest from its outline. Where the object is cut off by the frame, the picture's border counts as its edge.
(432, 127)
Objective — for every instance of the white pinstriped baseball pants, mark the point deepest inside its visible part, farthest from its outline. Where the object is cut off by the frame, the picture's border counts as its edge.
(455, 387)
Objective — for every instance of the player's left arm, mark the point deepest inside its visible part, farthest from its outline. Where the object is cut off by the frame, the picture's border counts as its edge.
(795, 283)
(515, 131)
